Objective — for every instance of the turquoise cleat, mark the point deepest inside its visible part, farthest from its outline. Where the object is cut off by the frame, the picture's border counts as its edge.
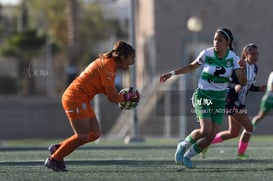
(187, 162)
(179, 154)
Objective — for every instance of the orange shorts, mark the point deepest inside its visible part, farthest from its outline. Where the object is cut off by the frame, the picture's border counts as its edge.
(77, 109)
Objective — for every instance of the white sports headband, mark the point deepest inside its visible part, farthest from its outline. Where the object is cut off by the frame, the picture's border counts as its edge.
(225, 33)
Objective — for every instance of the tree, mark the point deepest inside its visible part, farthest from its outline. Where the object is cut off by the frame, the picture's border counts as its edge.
(76, 28)
(24, 46)
(89, 24)
(73, 52)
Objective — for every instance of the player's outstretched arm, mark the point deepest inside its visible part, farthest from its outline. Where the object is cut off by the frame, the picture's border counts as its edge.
(188, 68)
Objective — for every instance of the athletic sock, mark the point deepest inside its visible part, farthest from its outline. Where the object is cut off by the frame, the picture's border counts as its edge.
(194, 150)
(67, 147)
(242, 147)
(187, 142)
(217, 139)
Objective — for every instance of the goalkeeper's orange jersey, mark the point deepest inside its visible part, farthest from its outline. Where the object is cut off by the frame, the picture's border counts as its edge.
(98, 77)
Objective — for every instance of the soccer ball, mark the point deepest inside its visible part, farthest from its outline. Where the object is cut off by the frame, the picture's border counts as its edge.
(127, 105)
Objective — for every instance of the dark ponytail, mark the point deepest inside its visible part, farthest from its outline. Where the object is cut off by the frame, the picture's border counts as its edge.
(120, 48)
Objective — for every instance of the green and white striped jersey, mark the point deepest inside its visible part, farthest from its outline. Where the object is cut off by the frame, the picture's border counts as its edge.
(216, 72)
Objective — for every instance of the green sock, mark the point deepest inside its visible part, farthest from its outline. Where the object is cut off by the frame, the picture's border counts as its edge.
(190, 139)
(197, 148)
(187, 142)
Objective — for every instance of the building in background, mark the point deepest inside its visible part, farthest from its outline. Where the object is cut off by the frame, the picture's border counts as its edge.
(164, 42)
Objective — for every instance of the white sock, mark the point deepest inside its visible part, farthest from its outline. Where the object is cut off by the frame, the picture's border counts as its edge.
(190, 153)
(186, 142)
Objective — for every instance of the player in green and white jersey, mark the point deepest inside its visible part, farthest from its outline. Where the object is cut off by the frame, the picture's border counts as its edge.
(209, 98)
(236, 104)
(266, 102)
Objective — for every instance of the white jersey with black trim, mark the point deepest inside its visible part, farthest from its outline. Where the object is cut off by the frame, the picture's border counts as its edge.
(251, 76)
(216, 72)
(269, 85)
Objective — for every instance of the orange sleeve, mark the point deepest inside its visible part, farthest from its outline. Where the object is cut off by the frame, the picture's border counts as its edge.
(108, 75)
(112, 95)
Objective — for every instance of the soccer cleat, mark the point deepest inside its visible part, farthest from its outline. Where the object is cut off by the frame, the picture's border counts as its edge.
(242, 157)
(179, 154)
(204, 152)
(187, 162)
(53, 148)
(55, 165)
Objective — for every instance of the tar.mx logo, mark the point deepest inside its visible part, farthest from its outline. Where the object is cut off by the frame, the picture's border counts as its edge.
(202, 102)
(36, 72)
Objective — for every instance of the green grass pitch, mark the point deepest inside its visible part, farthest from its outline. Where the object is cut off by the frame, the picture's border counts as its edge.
(152, 160)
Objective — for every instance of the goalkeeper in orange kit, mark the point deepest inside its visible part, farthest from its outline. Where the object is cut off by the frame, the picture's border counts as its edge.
(98, 77)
